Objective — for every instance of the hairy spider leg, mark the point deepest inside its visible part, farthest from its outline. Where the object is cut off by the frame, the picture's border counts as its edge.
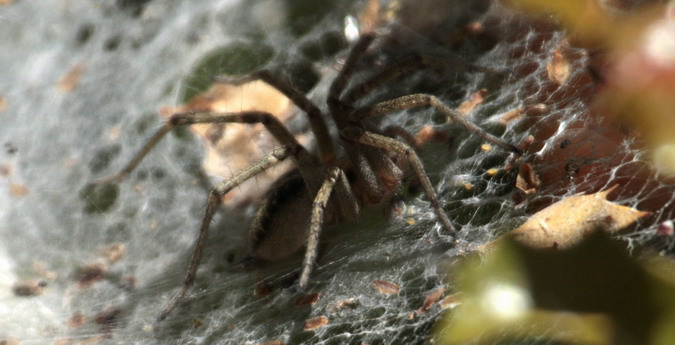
(316, 121)
(425, 100)
(390, 144)
(335, 179)
(214, 200)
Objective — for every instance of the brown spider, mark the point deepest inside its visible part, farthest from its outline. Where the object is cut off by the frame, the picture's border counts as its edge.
(374, 164)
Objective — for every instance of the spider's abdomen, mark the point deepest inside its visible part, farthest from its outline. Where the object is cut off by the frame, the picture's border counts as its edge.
(280, 226)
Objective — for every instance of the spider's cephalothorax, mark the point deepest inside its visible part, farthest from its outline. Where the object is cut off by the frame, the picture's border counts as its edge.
(319, 188)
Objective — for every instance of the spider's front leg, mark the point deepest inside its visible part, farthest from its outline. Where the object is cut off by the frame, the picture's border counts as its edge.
(357, 134)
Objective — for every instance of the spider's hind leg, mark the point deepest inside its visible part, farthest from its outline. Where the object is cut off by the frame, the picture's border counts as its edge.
(214, 200)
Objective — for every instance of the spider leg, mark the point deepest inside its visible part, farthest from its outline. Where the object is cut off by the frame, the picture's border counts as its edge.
(425, 100)
(358, 135)
(319, 128)
(309, 167)
(335, 179)
(214, 200)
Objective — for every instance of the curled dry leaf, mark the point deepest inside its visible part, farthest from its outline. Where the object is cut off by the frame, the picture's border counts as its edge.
(69, 81)
(315, 323)
(568, 221)
(429, 301)
(29, 288)
(469, 105)
(233, 147)
(450, 301)
(385, 287)
(527, 180)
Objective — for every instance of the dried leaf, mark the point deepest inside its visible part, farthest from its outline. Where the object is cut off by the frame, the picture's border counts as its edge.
(450, 301)
(90, 274)
(568, 221)
(527, 180)
(233, 147)
(558, 67)
(385, 287)
(469, 105)
(431, 299)
(69, 81)
(18, 189)
(310, 299)
(315, 323)
(29, 288)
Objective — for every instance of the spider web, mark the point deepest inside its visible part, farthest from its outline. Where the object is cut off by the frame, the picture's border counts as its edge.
(135, 55)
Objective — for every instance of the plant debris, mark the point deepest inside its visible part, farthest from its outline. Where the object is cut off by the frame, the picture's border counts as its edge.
(568, 221)
(29, 288)
(315, 323)
(90, 274)
(385, 287)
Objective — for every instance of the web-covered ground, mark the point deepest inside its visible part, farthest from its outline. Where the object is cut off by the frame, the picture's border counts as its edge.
(58, 134)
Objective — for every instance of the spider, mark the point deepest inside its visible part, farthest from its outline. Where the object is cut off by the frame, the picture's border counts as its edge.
(322, 189)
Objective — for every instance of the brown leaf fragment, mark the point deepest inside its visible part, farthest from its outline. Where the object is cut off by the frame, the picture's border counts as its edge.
(558, 68)
(113, 252)
(76, 320)
(233, 147)
(70, 80)
(527, 180)
(29, 288)
(90, 274)
(475, 100)
(568, 221)
(385, 287)
(315, 323)
(18, 189)
(310, 299)
(450, 301)
(429, 301)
